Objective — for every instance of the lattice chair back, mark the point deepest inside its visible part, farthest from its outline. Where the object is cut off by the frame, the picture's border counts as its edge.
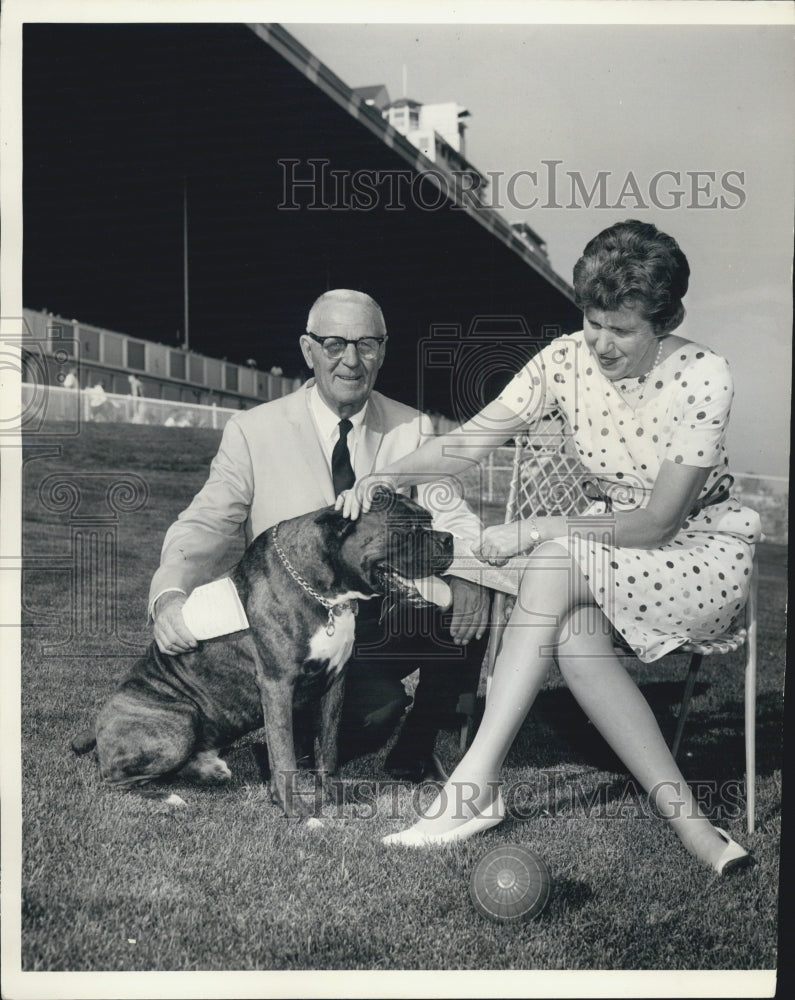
(548, 478)
(547, 475)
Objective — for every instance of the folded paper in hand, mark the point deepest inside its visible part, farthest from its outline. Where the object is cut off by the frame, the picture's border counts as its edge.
(214, 609)
(466, 565)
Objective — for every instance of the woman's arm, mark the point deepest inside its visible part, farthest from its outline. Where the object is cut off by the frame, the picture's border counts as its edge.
(675, 491)
(448, 455)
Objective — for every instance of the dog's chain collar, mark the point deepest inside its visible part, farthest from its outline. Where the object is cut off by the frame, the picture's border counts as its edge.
(334, 610)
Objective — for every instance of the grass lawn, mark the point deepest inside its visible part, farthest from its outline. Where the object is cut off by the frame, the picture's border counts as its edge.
(116, 882)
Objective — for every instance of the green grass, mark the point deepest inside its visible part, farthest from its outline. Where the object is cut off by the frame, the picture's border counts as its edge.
(117, 882)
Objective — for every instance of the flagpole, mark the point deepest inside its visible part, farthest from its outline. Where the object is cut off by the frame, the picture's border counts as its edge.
(186, 342)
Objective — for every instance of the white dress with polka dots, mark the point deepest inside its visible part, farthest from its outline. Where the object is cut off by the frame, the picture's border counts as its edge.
(694, 586)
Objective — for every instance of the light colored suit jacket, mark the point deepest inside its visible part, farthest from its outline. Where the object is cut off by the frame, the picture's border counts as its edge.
(270, 466)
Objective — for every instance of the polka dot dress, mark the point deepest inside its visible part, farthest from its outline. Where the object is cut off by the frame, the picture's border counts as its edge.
(694, 586)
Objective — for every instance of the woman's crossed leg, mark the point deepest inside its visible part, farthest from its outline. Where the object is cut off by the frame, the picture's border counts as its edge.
(555, 616)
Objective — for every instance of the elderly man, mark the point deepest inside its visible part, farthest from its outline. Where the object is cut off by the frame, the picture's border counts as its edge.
(296, 454)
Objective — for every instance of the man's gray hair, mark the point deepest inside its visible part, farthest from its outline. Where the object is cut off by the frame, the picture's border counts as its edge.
(345, 295)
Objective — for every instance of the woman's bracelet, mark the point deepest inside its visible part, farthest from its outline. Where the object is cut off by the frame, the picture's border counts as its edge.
(534, 534)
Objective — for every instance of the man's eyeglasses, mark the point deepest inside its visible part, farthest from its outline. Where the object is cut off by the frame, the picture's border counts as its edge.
(334, 347)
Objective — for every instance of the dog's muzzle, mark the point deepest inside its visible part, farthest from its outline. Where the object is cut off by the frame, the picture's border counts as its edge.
(413, 567)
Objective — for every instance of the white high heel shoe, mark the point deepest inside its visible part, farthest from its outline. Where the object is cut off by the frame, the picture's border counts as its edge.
(734, 856)
(412, 837)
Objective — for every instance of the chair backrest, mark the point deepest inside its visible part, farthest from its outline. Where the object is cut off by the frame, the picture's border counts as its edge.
(547, 476)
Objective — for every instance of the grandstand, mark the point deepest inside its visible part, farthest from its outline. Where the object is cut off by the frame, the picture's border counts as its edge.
(118, 377)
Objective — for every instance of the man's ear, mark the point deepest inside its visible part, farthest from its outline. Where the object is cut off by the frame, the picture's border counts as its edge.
(306, 349)
(341, 526)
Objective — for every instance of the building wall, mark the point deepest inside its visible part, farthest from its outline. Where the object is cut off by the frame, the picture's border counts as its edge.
(442, 118)
(108, 358)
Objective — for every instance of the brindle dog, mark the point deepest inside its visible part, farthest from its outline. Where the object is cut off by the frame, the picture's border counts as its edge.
(172, 714)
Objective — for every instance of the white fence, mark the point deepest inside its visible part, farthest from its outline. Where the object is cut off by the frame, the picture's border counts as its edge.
(41, 403)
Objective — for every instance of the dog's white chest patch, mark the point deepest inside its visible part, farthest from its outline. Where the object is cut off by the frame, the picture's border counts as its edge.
(336, 649)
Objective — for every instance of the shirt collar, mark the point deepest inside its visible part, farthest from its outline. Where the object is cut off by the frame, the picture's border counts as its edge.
(327, 420)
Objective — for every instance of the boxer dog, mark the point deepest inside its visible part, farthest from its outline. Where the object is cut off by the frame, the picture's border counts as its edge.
(299, 584)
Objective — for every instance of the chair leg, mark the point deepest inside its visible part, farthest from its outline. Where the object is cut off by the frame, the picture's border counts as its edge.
(495, 638)
(466, 707)
(750, 702)
(690, 683)
(495, 635)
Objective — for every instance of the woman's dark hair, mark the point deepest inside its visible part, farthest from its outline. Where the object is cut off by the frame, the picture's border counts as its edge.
(633, 264)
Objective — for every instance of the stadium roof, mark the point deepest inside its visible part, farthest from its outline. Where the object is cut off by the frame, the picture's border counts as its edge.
(294, 185)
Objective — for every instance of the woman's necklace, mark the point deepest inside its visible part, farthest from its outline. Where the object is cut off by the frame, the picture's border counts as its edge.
(639, 386)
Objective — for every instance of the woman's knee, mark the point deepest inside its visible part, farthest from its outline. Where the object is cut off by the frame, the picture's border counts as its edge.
(552, 576)
(584, 637)
(548, 565)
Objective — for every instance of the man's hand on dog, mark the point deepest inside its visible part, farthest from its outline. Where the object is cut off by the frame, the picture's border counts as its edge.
(470, 610)
(171, 633)
(358, 499)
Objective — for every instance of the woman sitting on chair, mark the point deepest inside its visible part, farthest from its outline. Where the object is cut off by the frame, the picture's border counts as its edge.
(667, 561)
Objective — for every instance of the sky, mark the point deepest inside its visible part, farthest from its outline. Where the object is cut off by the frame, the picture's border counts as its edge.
(620, 100)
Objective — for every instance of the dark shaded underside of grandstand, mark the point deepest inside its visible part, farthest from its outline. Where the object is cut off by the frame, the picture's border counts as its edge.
(117, 117)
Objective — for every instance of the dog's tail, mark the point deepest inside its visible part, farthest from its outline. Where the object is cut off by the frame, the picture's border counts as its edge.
(84, 741)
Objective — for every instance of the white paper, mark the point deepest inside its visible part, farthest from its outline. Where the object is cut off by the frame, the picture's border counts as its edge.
(214, 609)
(434, 590)
(505, 578)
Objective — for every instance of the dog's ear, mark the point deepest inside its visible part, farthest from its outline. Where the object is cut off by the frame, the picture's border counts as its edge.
(334, 520)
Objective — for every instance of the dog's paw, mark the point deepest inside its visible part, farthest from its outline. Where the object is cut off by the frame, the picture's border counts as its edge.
(207, 768)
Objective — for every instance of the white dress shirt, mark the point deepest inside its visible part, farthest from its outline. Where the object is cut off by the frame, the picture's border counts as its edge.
(327, 423)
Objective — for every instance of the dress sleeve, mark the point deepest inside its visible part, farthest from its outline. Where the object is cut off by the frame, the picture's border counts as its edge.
(702, 415)
(530, 393)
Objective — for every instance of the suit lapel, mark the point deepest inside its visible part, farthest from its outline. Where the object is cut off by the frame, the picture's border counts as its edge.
(370, 442)
(311, 452)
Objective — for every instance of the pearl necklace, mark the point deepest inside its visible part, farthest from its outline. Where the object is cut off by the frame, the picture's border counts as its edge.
(640, 385)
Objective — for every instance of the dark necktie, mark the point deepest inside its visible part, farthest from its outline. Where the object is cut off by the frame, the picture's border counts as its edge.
(341, 468)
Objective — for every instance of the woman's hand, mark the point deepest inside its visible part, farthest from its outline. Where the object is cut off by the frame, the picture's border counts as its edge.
(501, 542)
(359, 497)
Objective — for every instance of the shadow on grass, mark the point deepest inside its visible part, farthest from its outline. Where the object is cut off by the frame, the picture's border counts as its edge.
(568, 894)
(558, 731)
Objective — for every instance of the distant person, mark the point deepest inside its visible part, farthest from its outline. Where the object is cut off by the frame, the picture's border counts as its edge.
(293, 455)
(70, 402)
(648, 411)
(100, 407)
(136, 391)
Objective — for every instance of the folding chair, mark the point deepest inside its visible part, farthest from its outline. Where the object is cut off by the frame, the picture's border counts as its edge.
(547, 478)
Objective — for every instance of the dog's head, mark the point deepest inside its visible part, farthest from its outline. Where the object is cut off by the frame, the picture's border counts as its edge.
(394, 548)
